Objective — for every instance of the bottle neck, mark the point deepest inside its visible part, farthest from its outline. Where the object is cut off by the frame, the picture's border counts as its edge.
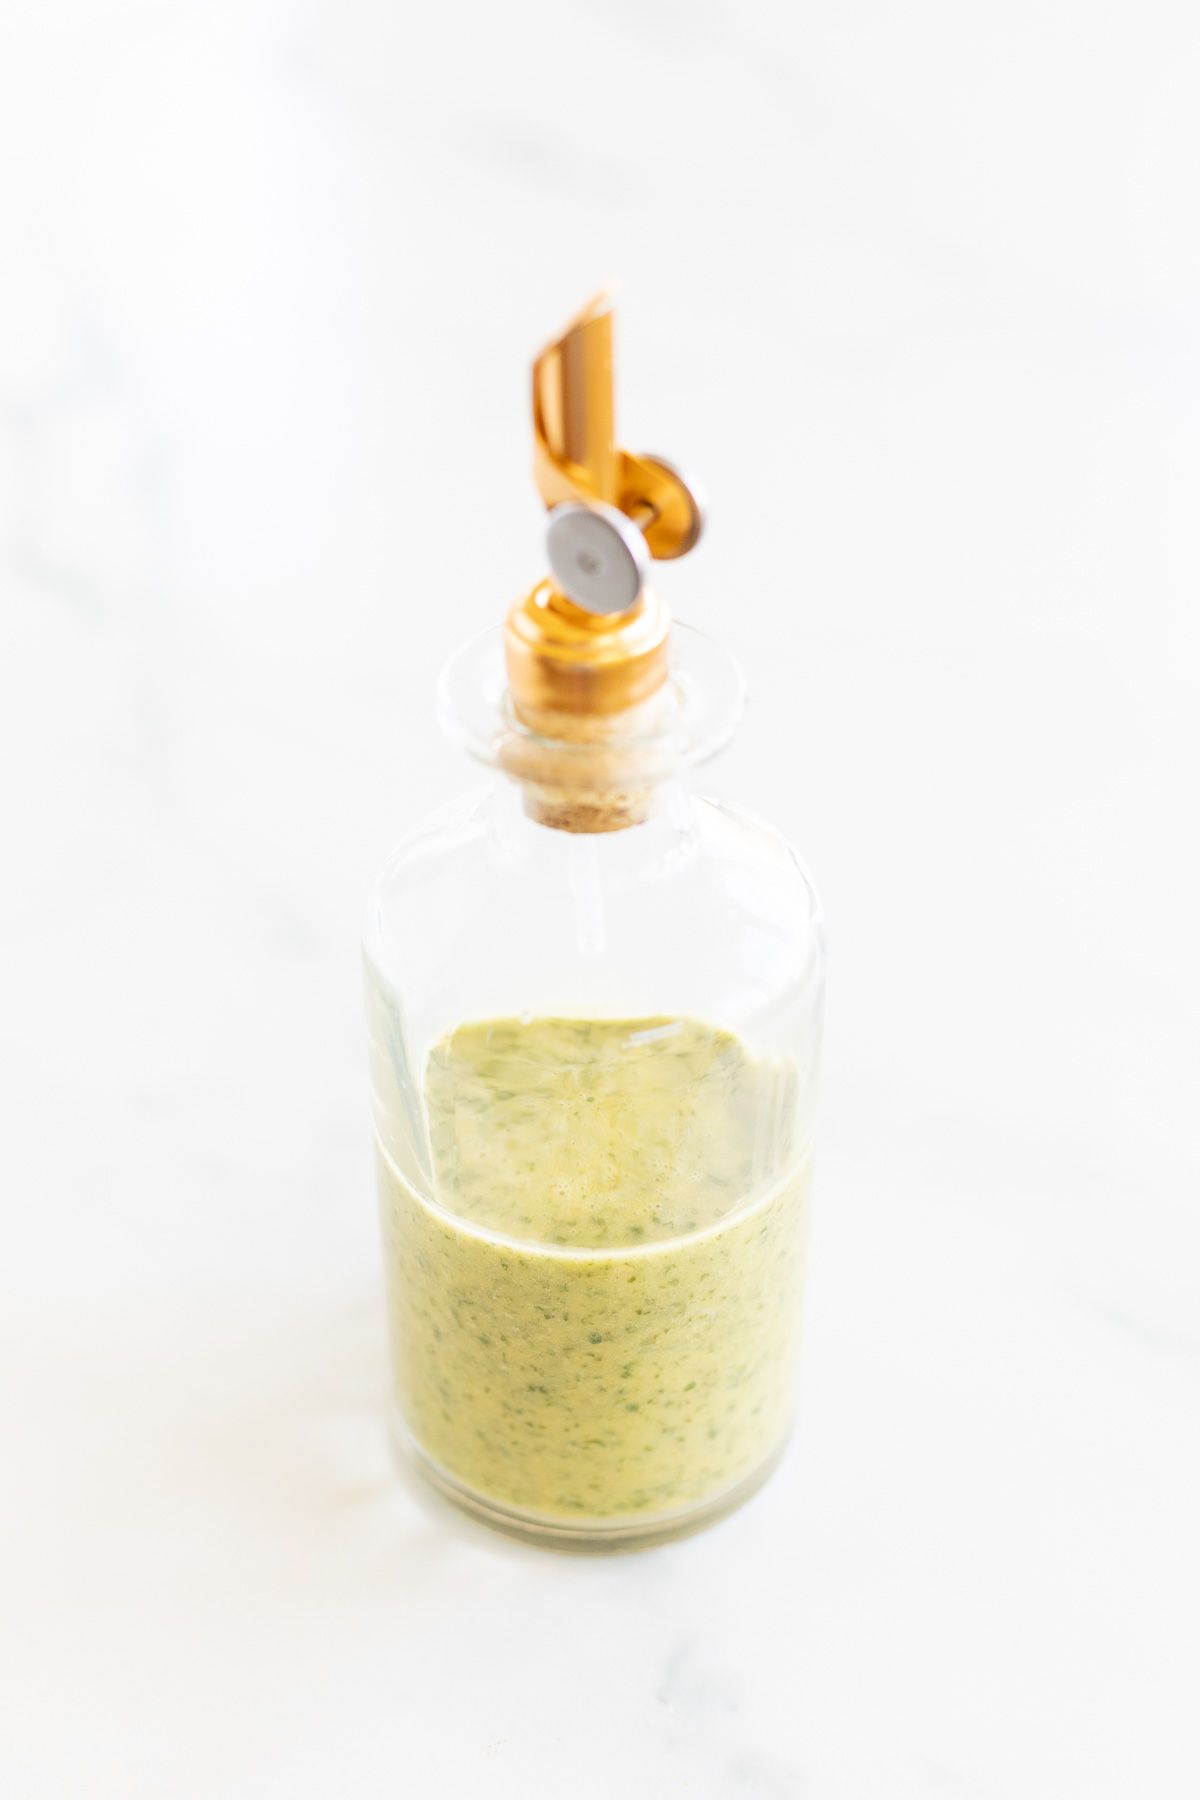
(592, 770)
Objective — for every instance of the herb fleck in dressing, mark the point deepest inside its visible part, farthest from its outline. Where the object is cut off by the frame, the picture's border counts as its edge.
(595, 1318)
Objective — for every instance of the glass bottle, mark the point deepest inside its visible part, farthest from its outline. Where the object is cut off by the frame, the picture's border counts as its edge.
(594, 1004)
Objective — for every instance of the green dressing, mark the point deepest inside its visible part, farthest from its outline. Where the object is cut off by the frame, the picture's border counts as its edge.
(594, 1316)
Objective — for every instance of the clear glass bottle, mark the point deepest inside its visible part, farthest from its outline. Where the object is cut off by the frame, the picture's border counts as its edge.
(594, 1002)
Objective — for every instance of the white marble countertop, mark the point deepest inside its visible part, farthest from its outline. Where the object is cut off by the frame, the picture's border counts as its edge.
(917, 290)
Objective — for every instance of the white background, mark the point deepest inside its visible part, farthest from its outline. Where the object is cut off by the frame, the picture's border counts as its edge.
(915, 289)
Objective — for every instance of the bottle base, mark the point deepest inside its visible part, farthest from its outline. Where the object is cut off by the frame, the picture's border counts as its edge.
(590, 1535)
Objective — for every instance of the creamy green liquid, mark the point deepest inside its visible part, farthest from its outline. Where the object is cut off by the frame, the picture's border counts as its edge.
(594, 1319)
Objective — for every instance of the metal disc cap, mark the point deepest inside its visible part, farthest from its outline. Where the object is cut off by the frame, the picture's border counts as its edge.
(598, 557)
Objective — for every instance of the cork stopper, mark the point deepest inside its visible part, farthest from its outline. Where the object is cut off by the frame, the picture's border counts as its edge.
(588, 775)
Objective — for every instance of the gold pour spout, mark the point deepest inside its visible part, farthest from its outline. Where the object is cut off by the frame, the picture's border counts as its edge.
(576, 457)
(587, 651)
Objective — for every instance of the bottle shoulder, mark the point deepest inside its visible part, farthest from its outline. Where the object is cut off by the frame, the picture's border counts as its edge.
(484, 835)
(701, 885)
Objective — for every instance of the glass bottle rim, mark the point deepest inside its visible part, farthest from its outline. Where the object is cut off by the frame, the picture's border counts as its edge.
(702, 705)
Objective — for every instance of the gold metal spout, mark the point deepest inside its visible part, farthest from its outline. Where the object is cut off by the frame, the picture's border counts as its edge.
(586, 652)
